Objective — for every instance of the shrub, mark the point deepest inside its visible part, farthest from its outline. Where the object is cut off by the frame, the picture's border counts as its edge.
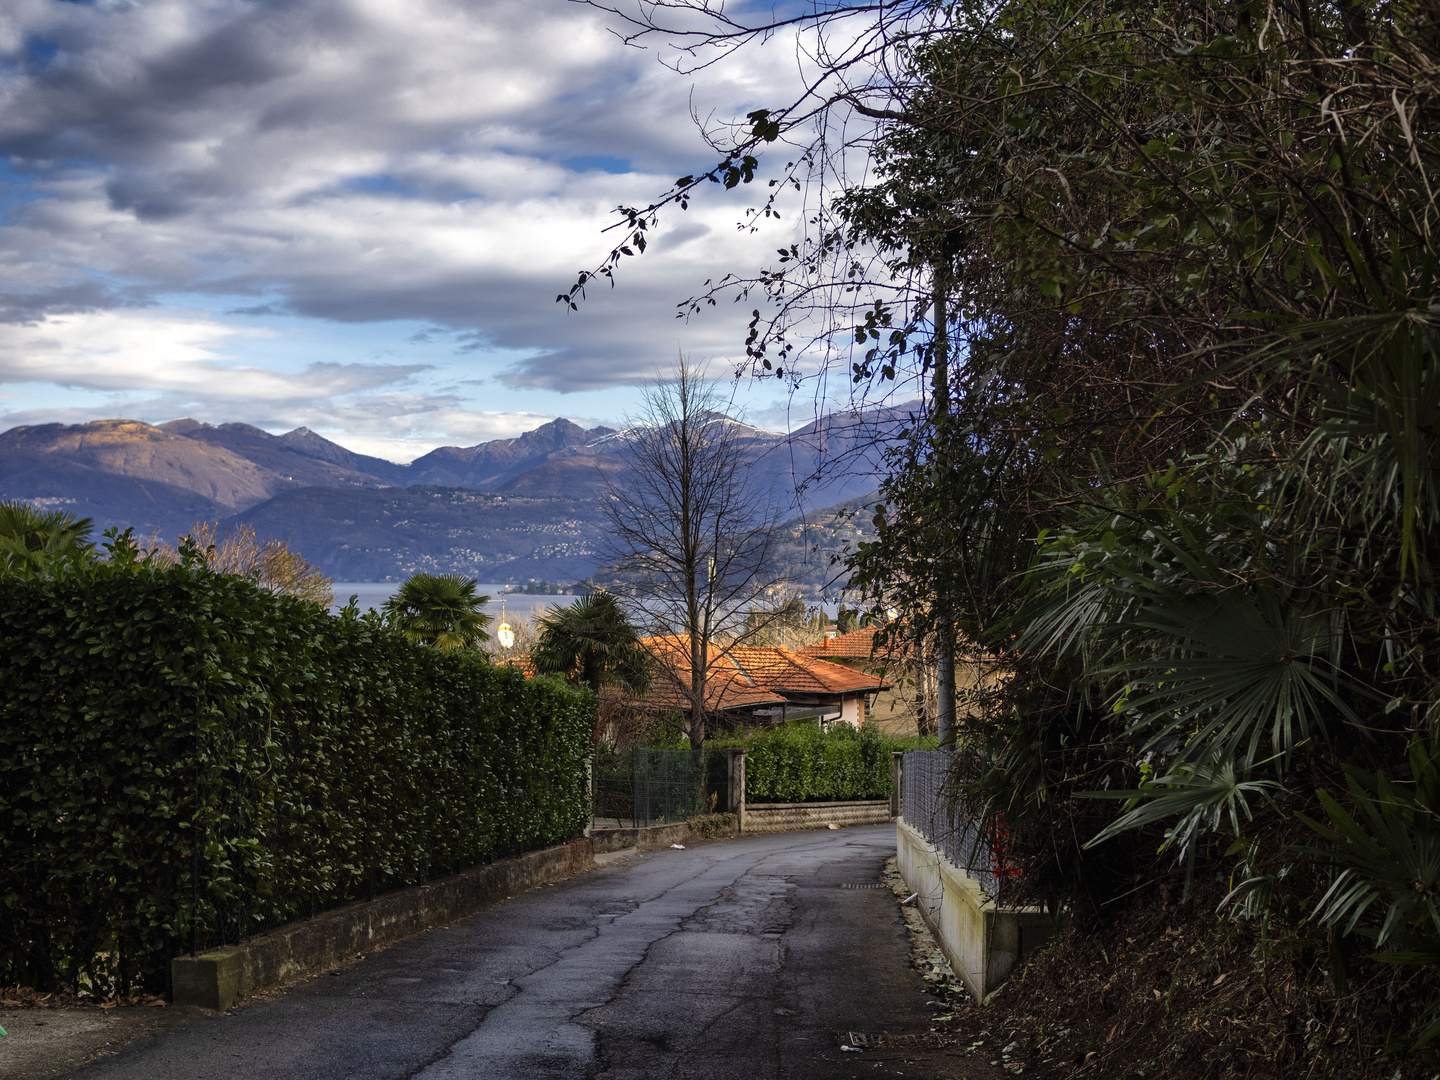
(712, 826)
(800, 763)
(185, 757)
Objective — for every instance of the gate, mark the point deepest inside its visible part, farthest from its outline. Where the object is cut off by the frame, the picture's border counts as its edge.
(654, 787)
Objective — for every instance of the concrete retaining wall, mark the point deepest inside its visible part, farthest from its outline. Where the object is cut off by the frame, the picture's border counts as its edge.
(219, 978)
(982, 941)
(651, 838)
(792, 817)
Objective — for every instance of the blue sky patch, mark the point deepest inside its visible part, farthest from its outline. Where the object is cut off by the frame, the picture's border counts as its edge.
(40, 52)
(380, 184)
(16, 189)
(600, 162)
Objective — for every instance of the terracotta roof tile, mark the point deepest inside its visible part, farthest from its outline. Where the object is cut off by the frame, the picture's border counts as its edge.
(746, 676)
(785, 671)
(726, 686)
(521, 661)
(856, 645)
(742, 676)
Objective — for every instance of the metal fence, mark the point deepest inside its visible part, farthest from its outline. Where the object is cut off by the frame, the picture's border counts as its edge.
(928, 807)
(668, 785)
(613, 789)
(654, 787)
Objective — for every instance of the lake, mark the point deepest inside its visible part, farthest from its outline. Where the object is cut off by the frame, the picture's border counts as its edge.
(372, 594)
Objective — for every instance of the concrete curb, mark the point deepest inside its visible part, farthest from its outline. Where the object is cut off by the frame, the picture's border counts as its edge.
(655, 837)
(982, 940)
(650, 838)
(221, 977)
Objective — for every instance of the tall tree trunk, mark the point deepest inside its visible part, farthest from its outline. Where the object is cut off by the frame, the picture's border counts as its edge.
(944, 617)
(920, 672)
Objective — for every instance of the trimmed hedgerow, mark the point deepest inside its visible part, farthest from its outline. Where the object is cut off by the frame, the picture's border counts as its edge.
(185, 757)
(799, 763)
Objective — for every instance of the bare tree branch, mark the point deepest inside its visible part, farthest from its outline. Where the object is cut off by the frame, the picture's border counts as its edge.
(691, 536)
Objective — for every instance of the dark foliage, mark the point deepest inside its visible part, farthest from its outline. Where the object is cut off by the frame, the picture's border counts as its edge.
(186, 758)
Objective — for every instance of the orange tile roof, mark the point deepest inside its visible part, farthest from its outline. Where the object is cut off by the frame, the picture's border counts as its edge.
(521, 661)
(726, 686)
(856, 645)
(788, 672)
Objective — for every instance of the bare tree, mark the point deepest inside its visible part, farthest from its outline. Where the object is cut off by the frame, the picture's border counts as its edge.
(271, 563)
(691, 536)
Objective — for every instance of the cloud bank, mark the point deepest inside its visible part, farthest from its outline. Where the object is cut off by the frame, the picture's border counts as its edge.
(349, 162)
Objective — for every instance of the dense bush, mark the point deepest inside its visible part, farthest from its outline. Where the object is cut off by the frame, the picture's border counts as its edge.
(800, 763)
(184, 756)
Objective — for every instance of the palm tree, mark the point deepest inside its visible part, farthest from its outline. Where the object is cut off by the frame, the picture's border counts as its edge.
(592, 642)
(440, 610)
(33, 541)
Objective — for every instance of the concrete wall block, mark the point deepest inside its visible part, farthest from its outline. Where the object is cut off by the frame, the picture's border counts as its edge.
(220, 978)
(982, 940)
(212, 980)
(650, 838)
(788, 817)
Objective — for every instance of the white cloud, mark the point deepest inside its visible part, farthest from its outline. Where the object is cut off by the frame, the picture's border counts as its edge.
(177, 353)
(350, 161)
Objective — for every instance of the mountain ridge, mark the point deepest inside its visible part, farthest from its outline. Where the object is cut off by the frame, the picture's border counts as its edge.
(161, 479)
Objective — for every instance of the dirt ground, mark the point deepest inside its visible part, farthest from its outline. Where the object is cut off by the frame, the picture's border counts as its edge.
(1172, 989)
(48, 1036)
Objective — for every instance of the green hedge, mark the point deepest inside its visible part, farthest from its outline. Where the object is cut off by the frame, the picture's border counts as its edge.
(184, 756)
(799, 763)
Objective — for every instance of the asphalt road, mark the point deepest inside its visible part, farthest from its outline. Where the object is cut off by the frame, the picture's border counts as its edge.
(739, 959)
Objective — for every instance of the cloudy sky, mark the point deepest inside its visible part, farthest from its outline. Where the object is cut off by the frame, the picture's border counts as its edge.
(353, 215)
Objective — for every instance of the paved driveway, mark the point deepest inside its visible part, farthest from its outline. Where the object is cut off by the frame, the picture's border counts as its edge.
(730, 960)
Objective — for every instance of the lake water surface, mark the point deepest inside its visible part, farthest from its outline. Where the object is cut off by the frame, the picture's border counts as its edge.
(372, 594)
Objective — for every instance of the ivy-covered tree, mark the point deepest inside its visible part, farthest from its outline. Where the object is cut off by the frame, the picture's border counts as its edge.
(1167, 275)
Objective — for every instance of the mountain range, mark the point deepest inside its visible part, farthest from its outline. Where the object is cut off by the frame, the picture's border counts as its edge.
(504, 510)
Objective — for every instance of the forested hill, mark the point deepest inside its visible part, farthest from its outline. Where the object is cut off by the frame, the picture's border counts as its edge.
(357, 535)
(521, 508)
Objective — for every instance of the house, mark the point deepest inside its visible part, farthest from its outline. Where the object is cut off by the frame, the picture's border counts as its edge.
(908, 706)
(728, 689)
(810, 686)
(760, 683)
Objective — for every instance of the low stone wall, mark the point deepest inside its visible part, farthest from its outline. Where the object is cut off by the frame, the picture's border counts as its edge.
(219, 978)
(655, 837)
(794, 817)
(650, 838)
(982, 940)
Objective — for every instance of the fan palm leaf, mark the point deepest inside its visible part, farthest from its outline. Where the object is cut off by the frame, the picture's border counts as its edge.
(34, 541)
(592, 642)
(440, 610)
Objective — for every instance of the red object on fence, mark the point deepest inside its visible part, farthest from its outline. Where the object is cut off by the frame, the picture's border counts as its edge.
(999, 845)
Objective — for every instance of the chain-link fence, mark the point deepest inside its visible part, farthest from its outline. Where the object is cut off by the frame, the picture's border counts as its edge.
(613, 788)
(928, 807)
(669, 785)
(652, 787)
